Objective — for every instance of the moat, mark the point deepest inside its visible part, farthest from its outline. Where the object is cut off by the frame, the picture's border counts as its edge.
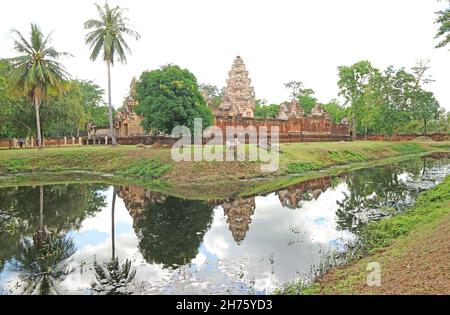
(62, 239)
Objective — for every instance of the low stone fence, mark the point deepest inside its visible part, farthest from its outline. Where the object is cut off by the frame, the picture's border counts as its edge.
(408, 137)
(46, 142)
(283, 138)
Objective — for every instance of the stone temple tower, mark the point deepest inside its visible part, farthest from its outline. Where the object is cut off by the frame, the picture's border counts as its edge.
(239, 96)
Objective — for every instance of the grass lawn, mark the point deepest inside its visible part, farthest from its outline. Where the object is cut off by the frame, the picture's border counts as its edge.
(149, 166)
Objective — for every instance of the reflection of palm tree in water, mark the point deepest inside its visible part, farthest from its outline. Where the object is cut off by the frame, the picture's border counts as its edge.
(39, 260)
(112, 277)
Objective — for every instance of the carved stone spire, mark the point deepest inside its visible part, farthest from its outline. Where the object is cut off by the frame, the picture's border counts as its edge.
(239, 95)
(238, 213)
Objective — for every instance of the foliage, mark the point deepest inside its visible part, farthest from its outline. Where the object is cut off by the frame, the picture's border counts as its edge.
(39, 262)
(337, 112)
(64, 114)
(212, 92)
(392, 101)
(36, 73)
(354, 84)
(262, 109)
(443, 32)
(113, 277)
(107, 34)
(170, 97)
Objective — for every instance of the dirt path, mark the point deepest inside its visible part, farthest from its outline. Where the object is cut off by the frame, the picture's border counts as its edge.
(416, 264)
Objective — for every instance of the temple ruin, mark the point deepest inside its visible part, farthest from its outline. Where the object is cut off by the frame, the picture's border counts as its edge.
(237, 109)
(127, 122)
(239, 97)
(289, 110)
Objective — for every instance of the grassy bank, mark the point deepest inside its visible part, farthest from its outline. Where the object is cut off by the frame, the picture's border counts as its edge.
(154, 166)
(412, 250)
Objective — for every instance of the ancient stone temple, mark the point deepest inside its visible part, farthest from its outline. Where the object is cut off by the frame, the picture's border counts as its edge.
(290, 110)
(239, 96)
(127, 122)
(238, 213)
(237, 109)
(317, 111)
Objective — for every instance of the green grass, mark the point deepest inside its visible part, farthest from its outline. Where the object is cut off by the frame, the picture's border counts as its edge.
(145, 168)
(428, 207)
(301, 168)
(297, 161)
(409, 147)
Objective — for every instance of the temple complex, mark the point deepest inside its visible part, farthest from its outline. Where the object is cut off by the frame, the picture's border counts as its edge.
(237, 109)
(290, 110)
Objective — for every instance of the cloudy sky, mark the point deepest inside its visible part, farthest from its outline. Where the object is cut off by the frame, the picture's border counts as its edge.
(279, 40)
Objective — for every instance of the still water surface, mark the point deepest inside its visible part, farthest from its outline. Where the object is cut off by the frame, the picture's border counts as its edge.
(63, 239)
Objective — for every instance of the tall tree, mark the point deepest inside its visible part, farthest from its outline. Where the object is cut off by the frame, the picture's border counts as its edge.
(169, 97)
(443, 32)
(212, 93)
(353, 83)
(425, 107)
(305, 96)
(107, 36)
(36, 71)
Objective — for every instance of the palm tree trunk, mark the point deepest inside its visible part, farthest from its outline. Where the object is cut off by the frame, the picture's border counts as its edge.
(113, 236)
(111, 127)
(41, 213)
(38, 122)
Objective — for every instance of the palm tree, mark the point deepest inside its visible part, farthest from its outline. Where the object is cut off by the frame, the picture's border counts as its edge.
(40, 262)
(106, 36)
(36, 70)
(112, 277)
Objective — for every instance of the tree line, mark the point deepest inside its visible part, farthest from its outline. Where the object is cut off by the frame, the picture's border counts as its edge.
(36, 90)
(36, 76)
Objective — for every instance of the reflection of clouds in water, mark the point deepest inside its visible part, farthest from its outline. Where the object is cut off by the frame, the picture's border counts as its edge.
(99, 247)
(281, 243)
(265, 253)
(101, 222)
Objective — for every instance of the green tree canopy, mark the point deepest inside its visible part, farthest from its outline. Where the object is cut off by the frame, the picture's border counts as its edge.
(169, 97)
(36, 71)
(264, 110)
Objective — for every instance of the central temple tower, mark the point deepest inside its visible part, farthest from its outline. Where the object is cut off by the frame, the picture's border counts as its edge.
(239, 95)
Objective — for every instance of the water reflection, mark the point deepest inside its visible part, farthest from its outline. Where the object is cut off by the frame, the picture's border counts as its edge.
(33, 228)
(89, 239)
(170, 229)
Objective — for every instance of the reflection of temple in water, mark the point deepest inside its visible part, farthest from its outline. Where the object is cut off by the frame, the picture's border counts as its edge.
(292, 196)
(238, 213)
(136, 198)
